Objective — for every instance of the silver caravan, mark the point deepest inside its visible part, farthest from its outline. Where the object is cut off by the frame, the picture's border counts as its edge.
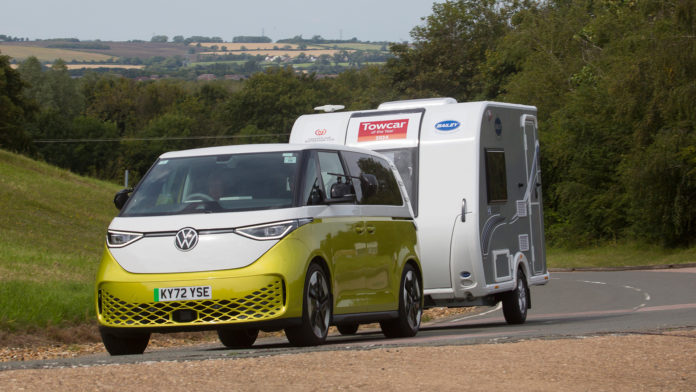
(472, 173)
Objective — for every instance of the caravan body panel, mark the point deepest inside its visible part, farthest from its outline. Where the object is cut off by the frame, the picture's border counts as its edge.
(471, 171)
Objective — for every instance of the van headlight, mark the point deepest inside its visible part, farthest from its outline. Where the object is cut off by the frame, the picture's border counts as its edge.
(119, 239)
(271, 231)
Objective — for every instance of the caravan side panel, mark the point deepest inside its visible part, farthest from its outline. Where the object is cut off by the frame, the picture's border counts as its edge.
(506, 187)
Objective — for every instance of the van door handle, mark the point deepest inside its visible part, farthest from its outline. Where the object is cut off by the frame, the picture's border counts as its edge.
(371, 229)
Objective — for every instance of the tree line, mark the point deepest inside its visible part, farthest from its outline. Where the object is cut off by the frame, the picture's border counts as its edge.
(614, 82)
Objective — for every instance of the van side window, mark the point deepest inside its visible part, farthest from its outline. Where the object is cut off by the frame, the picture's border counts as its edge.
(496, 177)
(373, 180)
(312, 192)
(332, 174)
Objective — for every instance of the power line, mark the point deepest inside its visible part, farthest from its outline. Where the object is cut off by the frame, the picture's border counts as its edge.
(163, 138)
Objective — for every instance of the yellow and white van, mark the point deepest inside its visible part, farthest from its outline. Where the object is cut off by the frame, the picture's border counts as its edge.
(243, 238)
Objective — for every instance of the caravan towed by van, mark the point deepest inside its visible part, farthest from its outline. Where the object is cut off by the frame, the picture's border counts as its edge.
(472, 174)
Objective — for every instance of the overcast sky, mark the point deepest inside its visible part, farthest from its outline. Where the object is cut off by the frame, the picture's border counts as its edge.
(123, 20)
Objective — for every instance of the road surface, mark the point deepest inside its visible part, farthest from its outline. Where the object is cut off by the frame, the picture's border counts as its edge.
(572, 304)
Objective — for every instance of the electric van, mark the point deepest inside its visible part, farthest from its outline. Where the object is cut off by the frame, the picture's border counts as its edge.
(260, 237)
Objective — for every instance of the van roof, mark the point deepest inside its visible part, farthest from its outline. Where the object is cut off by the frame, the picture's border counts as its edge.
(258, 148)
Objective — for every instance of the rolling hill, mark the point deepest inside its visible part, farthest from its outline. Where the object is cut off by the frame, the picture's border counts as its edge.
(52, 229)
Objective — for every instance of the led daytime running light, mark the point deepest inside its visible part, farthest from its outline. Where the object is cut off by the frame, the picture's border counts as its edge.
(119, 239)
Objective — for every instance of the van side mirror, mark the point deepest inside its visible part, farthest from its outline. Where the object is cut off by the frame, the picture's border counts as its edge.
(368, 184)
(121, 197)
(341, 192)
(340, 189)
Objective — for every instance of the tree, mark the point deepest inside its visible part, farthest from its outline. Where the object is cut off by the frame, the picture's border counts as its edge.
(614, 84)
(159, 38)
(16, 110)
(271, 101)
(450, 47)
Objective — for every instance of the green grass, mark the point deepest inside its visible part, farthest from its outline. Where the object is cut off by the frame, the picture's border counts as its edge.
(53, 225)
(618, 255)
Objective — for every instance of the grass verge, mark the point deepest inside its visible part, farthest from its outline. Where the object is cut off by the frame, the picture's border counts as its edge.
(53, 224)
(618, 255)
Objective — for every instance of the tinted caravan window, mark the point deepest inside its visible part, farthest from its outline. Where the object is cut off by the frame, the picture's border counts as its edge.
(496, 177)
(406, 162)
(384, 191)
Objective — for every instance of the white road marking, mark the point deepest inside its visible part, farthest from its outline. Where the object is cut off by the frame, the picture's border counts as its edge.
(498, 307)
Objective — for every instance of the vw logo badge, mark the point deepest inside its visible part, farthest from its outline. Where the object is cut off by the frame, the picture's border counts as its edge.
(186, 239)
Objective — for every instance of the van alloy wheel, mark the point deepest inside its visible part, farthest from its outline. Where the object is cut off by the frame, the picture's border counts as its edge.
(412, 299)
(316, 310)
(318, 303)
(410, 307)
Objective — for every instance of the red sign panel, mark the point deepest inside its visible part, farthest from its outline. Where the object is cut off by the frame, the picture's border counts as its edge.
(382, 130)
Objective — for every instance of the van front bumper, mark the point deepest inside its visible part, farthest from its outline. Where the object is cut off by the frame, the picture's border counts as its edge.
(267, 293)
(234, 300)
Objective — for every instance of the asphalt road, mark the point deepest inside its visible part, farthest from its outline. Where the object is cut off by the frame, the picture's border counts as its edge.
(572, 304)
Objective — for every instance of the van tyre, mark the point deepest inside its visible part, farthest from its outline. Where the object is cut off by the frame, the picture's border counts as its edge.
(410, 307)
(132, 343)
(516, 302)
(348, 328)
(316, 310)
(238, 338)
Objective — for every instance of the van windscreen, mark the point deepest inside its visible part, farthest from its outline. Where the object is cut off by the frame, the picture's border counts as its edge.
(219, 183)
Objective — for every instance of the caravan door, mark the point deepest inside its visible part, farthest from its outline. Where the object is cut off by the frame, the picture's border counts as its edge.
(536, 219)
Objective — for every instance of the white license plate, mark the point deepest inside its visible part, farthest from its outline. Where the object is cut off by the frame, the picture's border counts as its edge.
(183, 293)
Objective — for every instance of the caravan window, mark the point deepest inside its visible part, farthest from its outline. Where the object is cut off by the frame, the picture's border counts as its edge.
(496, 177)
(385, 191)
(406, 162)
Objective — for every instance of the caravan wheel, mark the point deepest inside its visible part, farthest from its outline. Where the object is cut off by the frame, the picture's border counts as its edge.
(515, 302)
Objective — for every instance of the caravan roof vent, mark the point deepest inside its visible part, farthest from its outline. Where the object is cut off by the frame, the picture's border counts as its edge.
(329, 108)
(415, 103)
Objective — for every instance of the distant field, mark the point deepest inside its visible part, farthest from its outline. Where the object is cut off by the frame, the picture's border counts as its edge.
(233, 46)
(354, 46)
(50, 54)
(96, 66)
(289, 53)
(207, 63)
(142, 50)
